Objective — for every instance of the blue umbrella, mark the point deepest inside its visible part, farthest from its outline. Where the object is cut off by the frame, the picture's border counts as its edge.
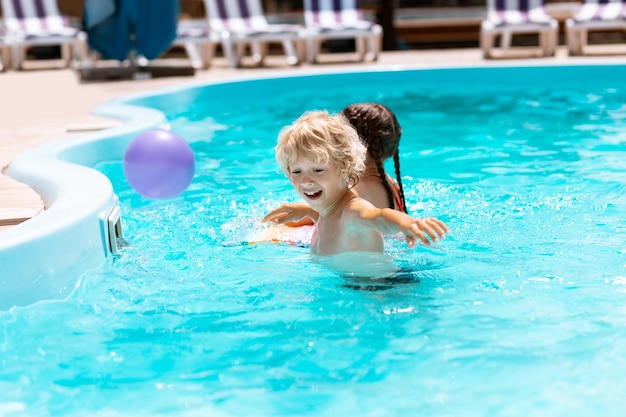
(115, 28)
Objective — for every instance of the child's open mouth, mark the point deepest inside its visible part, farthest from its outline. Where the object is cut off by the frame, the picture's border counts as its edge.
(313, 195)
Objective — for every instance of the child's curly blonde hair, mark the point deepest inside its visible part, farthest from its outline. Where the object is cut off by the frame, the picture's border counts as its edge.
(323, 138)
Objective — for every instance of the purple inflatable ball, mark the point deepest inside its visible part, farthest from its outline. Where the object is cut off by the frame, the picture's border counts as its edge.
(159, 164)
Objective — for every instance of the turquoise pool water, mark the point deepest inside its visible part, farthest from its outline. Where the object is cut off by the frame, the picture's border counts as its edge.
(519, 312)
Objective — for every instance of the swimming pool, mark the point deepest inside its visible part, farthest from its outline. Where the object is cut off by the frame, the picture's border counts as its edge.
(519, 312)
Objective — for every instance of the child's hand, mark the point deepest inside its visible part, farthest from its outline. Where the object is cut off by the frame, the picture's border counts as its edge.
(420, 228)
(293, 213)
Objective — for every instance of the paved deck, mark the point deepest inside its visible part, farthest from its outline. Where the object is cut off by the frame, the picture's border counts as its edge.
(40, 106)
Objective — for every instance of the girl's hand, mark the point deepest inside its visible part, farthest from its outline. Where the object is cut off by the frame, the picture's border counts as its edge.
(292, 214)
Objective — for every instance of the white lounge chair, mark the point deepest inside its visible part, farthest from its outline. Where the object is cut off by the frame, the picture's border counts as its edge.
(343, 19)
(243, 24)
(506, 18)
(30, 23)
(593, 15)
(199, 42)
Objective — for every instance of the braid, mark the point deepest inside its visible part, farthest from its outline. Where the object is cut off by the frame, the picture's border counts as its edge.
(396, 164)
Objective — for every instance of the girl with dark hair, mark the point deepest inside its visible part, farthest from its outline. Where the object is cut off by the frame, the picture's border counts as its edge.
(380, 132)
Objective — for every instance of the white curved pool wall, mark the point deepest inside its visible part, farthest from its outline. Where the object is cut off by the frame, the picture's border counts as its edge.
(43, 258)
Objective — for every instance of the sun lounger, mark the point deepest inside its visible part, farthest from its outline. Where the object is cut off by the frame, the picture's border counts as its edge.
(37, 23)
(243, 24)
(340, 19)
(593, 15)
(506, 18)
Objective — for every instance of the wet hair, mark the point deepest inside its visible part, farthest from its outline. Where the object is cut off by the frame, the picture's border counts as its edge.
(323, 138)
(380, 132)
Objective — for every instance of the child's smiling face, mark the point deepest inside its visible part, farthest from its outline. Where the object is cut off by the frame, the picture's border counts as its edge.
(319, 184)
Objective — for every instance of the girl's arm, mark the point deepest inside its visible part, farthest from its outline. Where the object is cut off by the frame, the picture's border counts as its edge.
(294, 213)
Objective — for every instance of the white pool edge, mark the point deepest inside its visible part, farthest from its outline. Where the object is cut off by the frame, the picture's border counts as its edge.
(44, 257)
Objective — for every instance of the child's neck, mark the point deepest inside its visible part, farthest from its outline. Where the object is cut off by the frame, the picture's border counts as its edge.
(370, 164)
(339, 202)
(370, 168)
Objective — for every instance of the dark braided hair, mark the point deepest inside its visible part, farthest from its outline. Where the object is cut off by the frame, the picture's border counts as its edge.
(380, 131)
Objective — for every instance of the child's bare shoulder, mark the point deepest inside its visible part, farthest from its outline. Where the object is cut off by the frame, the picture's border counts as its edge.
(359, 209)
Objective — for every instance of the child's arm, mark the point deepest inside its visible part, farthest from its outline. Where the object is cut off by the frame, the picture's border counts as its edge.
(389, 221)
(294, 213)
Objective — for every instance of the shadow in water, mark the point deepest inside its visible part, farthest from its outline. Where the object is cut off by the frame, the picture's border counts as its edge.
(387, 282)
(408, 274)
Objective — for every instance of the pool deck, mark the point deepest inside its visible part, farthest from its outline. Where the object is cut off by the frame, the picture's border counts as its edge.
(41, 106)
